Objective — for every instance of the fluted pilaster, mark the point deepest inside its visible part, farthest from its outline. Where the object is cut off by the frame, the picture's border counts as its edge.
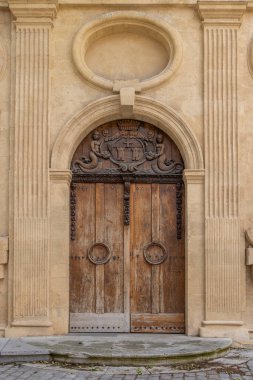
(221, 21)
(31, 163)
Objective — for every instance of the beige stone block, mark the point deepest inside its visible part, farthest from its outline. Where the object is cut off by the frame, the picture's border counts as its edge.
(14, 332)
(60, 316)
(1, 272)
(60, 270)
(127, 97)
(59, 294)
(4, 246)
(225, 330)
(249, 256)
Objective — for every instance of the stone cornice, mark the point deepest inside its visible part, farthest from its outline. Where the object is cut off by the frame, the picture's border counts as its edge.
(187, 3)
(191, 3)
(27, 11)
(222, 11)
(128, 2)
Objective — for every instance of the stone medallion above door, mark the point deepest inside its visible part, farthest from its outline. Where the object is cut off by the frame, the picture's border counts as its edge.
(127, 49)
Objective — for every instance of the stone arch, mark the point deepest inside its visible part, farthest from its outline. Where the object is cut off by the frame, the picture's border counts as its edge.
(165, 118)
(108, 109)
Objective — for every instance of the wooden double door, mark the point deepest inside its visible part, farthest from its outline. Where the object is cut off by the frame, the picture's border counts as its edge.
(127, 257)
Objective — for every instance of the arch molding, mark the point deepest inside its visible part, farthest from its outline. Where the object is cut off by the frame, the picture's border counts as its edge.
(109, 109)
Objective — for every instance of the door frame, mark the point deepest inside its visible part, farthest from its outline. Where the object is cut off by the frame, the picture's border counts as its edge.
(124, 319)
(90, 117)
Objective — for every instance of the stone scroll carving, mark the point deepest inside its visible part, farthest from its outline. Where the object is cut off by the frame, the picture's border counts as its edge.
(128, 147)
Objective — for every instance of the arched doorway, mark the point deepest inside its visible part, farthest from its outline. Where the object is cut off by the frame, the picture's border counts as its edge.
(127, 231)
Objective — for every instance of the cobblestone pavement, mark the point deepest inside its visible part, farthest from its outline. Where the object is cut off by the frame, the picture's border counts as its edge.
(236, 365)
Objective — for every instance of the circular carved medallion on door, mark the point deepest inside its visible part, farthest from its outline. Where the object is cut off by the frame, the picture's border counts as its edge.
(155, 253)
(99, 253)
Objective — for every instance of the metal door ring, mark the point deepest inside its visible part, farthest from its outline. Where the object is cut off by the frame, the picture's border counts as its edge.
(155, 256)
(102, 256)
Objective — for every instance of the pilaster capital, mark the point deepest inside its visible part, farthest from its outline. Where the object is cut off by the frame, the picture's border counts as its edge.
(194, 176)
(33, 12)
(222, 12)
(60, 176)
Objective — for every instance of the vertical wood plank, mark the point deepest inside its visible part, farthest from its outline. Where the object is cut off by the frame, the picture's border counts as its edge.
(127, 269)
(114, 237)
(82, 271)
(100, 235)
(173, 268)
(155, 223)
(141, 236)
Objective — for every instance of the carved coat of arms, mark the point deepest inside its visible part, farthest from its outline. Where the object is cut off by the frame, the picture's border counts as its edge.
(129, 149)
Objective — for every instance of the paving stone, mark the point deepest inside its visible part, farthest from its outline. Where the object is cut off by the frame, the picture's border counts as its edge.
(45, 371)
(224, 376)
(200, 376)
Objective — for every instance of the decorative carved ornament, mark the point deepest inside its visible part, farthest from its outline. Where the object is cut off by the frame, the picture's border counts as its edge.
(155, 253)
(127, 203)
(125, 151)
(130, 146)
(179, 207)
(73, 211)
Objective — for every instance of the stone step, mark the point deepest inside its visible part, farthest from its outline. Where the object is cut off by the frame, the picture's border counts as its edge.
(113, 349)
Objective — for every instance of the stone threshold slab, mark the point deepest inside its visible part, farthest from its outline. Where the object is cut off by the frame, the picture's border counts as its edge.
(113, 349)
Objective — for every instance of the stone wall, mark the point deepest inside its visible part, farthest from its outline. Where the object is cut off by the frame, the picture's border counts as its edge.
(50, 100)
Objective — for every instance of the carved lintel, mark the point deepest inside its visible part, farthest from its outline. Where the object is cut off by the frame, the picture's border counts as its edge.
(127, 203)
(113, 178)
(73, 211)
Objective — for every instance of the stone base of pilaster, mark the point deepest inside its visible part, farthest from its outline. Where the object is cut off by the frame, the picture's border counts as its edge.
(18, 331)
(224, 329)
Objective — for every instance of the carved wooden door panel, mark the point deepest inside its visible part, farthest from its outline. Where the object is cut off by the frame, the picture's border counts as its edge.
(127, 246)
(98, 278)
(157, 259)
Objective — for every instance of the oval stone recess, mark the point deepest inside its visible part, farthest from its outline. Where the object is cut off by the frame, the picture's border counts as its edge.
(127, 46)
(126, 55)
